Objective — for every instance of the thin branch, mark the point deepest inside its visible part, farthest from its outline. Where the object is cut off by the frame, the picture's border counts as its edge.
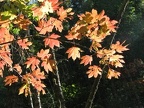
(39, 100)
(58, 89)
(119, 17)
(96, 83)
(94, 90)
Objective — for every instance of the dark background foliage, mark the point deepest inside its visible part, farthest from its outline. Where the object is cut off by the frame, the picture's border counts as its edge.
(125, 92)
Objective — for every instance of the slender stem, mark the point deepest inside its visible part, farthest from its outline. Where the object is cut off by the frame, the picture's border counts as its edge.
(31, 99)
(120, 16)
(94, 90)
(39, 100)
(58, 89)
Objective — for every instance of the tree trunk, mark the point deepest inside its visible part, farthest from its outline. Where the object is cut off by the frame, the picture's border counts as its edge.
(57, 86)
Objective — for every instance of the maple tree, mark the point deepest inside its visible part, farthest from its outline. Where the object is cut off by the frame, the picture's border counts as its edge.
(49, 17)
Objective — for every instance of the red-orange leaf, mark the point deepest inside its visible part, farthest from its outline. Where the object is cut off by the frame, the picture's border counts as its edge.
(86, 60)
(43, 54)
(48, 65)
(33, 62)
(10, 80)
(18, 68)
(38, 74)
(74, 52)
(52, 41)
(119, 47)
(63, 14)
(1, 73)
(24, 43)
(44, 26)
(22, 22)
(113, 73)
(94, 71)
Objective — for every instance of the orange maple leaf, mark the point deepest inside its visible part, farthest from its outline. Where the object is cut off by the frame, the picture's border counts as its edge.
(18, 68)
(86, 60)
(38, 74)
(24, 89)
(2, 64)
(49, 65)
(113, 73)
(6, 57)
(22, 22)
(94, 71)
(33, 62)
(55, 4)
(57, 23)
(116, 60)
(24, 44)
(45, 26)
(74, 52)
(63, 14)
(43, 54)
(1, 73)
(38, 85)
(119, 47)
(52, 41)
(10, 80)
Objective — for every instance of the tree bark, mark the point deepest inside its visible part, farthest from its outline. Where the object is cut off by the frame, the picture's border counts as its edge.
(57, 86)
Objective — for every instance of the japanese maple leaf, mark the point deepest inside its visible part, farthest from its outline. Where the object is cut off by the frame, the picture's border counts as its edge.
(24, 89)
(94, 71)
(116, 60)
(86, 60)
(37, 12)
(22, 22)
(38, 74)
(119, 47)
(10, 80)
(55, 4)
(74, 52)
(113, 73)
(44, 26)
(43, 54)
(1, 73)
(33, 62)
(18, 68)
(2, 64)
(5, 56)
(57, 24)
(45, 8)
(24, 44)
(63, 14)
(48, 65)
(39, 86)
(52, 41)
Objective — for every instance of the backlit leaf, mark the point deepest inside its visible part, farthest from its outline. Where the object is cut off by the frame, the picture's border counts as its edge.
(94, 71)
(52, 41)
(33, 62)
(43, 54)
(119, 47)
(24, 43)
(74, 52)
(10, 80)
(86, 60)
(113, 73)
(18, 68)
